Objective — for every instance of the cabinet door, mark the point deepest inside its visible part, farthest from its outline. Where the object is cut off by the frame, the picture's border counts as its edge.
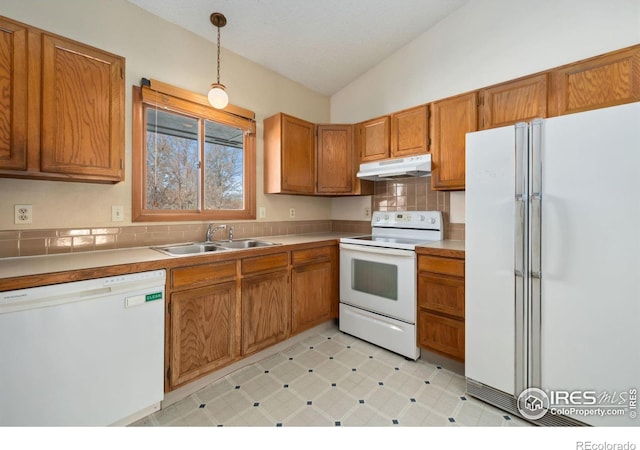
(409, 132)
(13, 96)
(441, 294)
(508, 103)
(82, 111)
(203, 331)
(608, 80)
(266, 310)
(452, 119)
(298, 155)
(334, 159)
(375, 139)
(312, 295)
(441, 334)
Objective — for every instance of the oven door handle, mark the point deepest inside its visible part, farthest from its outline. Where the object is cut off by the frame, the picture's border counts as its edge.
(385, 251)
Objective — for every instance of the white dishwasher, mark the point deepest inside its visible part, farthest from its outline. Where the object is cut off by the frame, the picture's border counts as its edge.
(84, 353)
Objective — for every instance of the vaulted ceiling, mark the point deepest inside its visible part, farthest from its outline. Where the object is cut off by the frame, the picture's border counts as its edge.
(322, 44)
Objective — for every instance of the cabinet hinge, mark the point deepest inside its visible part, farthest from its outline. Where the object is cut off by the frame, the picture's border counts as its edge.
(428, 142)
(121, 164)
(122, 73)
(169, 308)
(480, 101)
(169, 373)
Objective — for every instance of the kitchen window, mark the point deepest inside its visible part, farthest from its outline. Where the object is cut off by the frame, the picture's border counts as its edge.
(190, 161)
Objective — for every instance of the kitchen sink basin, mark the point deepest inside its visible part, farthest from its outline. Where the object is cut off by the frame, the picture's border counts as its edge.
(213, 246)
(243, 243)
(190, 249)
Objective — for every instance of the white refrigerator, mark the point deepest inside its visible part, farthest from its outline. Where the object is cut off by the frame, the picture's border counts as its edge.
(552, 286)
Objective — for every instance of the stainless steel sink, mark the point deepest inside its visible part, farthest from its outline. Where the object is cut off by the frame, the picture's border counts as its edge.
(243, 243)
(213, 246)
(190, 249)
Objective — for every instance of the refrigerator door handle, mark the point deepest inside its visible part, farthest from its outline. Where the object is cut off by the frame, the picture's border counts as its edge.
(520, 254)
(535, 246)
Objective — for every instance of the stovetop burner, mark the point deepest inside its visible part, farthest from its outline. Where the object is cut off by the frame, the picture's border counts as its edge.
(402, 230)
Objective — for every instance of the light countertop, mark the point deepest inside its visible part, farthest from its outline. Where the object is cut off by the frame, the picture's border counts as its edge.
(49, 264)
(46, 264)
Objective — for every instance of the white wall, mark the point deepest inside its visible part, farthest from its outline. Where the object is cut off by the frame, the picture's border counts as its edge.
(483, 43)
(157, 49)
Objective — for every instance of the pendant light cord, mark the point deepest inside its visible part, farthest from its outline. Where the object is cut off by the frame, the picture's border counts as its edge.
(218, 55)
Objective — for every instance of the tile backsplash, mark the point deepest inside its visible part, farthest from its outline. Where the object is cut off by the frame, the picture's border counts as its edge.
(403, 194)
(415, 194)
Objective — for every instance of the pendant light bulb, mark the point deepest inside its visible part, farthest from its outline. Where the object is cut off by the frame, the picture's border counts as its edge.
(218, 96)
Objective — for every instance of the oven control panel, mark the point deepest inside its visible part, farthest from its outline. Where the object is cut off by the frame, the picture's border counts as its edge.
(407, 219)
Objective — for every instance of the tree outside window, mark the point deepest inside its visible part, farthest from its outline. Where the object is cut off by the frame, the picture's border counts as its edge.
(191, 166)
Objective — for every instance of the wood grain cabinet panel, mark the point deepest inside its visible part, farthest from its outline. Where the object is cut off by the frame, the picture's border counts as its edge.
(442, 294)
(409, 132)
(203, 331)
(441, 334)
(314, 287)
(514, 101)
(266, 310)
(82, 110)
(70, 127)
(334, 159)
(201, 274)
(13, 95)
(375, 139)
(441, 305)
(289, 155)
(451, 119)
(600, 82)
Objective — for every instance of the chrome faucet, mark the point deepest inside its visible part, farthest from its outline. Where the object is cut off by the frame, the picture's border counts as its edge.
(230, 234)
(211, 230)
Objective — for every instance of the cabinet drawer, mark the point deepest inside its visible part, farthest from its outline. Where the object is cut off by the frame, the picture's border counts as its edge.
(264, 263)
(445, 266)
(441, 334)
(311, 255)
(203, 274)
(441, 294)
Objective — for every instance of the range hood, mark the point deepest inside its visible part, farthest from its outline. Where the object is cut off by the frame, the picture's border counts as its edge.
(388, 169)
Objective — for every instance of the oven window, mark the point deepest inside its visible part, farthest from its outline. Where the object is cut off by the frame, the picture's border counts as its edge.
(375, 278)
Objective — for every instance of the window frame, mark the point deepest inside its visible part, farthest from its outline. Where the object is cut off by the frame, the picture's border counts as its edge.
(154, 94)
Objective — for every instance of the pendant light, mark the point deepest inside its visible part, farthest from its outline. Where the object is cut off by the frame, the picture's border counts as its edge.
(217, 95)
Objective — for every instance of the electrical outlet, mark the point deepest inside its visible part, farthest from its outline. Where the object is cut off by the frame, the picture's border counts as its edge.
(367, 212)
(262, 212)
(292, 212)
(117, 213)
(23, 214)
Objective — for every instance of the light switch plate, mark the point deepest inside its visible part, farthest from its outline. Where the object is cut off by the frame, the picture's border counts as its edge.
(117, 213)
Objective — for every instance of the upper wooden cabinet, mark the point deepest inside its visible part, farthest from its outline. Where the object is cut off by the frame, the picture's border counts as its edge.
(409, 132)
(518, 100)
(82, 110)
(374, 139)
(607, 80)
(303, 158)
(337, 162)
(13, 95)
(334, 159)
(71, 125)
(451, 119)
(289, 155)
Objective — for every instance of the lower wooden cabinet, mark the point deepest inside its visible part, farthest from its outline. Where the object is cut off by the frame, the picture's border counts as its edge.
(441, 306)
(221, 311)
(203, 332)
(314, 287)
(202, 320)
(266, 303)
